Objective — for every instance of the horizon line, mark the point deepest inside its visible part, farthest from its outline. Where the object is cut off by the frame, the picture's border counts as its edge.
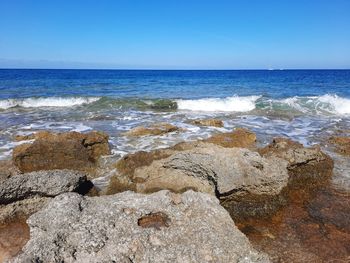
(172, 69)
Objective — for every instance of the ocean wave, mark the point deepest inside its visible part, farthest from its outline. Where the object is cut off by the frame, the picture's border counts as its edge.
(228, 104)
(46, 102)
(327, 104)
(319, 105)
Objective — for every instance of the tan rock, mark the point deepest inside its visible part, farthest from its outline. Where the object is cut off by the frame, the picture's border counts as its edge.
(305, 165)
(240, 137)
(156, 129)
(208, 122)
(7, 169)
(71, 150)
(342, 144)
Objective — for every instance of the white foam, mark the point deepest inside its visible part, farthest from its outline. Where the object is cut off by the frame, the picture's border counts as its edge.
(46, 102)
(232, 104)
(337, 104)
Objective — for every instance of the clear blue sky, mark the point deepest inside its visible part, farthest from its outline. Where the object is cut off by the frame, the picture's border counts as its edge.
(232, 34)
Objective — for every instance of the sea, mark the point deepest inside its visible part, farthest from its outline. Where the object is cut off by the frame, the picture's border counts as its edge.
(308, 106)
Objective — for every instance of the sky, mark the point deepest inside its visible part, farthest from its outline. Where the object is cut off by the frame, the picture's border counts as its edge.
(179, 34)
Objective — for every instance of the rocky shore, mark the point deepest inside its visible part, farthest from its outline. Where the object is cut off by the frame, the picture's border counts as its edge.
(196, 201)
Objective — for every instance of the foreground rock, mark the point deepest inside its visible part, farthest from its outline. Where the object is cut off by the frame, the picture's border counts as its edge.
(71, 150)
(245, 182)
(24, 194)
(342, 144)
(306, 166)
(156, 129)
(240, 137)
(208, 122)
(42, 184)
(130, 227)
(7, 169)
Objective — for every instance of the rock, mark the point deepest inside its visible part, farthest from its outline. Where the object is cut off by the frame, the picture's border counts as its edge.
(127, 165)
(208, 122)
(306, 166)
(13, 237)
(42, 184)
(32, 136)
(7, 169)
(73, 228)
(71, 150)
(240, 137)
(21, 210)
(246, 183)
(156, 129)
(342, 144)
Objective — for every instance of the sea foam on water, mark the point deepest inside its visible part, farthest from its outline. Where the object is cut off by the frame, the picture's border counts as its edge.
(233, 104)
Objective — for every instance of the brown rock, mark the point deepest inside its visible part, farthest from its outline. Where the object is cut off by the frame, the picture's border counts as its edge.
(32, 136)
(155, 220)
(305, 165)
(7, 169)
(240, 137)
(157, 129)
(208, 122)
(71, 150)
(342, 144)
(126, 166)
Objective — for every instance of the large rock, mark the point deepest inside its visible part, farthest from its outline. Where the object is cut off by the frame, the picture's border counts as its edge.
(42, 184)
(71, 150)
(130, 227)
(240, 137)
(246, 183)
(208, 122)
(156, 129)
(305, 165)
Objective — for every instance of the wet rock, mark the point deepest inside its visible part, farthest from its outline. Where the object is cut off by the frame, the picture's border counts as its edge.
(41, 184)
(71, 150)
(240, 137)
(13, 237)
(156, 129)
(305, 165)
(163, 104)
(32, 136)
(105, 229)
(342, 144)
(314, 228)
(208, 122)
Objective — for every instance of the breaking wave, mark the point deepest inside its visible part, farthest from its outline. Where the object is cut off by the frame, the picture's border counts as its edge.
(232, 104)
(46, 102)
(320, 105)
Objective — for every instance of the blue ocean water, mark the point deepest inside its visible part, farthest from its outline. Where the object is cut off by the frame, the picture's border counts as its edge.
(305, 105)
(186, 84)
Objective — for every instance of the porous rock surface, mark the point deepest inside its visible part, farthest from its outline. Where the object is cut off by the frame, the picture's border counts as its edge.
(208, 122)
(305, 165)
(191, 227)
(156, 129)
(342, 144)
(70, 150)
(245, 182)
(41, 184)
